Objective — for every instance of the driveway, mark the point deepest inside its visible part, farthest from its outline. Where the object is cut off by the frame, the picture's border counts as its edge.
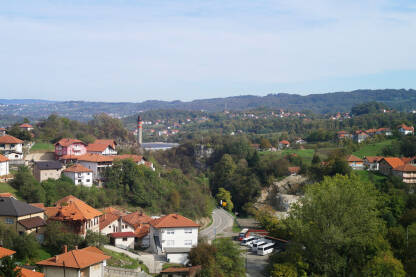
(222, 224)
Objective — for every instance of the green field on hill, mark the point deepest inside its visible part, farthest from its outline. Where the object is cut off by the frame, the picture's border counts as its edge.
(42, 147)
(5, 187)
(373, 149)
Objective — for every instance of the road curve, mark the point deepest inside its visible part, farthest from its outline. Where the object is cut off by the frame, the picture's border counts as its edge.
(221, 221)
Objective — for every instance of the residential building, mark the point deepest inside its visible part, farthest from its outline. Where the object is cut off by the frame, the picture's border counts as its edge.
(11, 147)
(78, 216)
(89, 261)
(191, 271)
(68, 149)
(26, 126)
(406, 130)
(79, 174)
(4, 252)
(387, 164)
(293, 170)
(384, 131)
(124, 240)
(173, 235)
(284, 144)
(407, 173)
(2, 131)
(103, 147)
(4, 166)
(139, 222)
(344, 135)
(355, 162)
(109, 223)
(22, 217)
(372, 162)
(44, 170)
(360, 136)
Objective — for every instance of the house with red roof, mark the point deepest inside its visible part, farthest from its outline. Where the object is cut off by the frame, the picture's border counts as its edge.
(355, 162)
(124, 240)
(360, 136)
(68, 149)
(4, 166)
(75, 214)
(79, 174)
(284, 144)
(406, 130)
(103, 147)
(372, 162)
(173, 235)
(387, 164)
(406, 172)
(26, 127)
(11, 147)
(89, 261)
(2, 131)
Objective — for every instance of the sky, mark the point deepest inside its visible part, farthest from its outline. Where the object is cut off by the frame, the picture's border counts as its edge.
(134, 50)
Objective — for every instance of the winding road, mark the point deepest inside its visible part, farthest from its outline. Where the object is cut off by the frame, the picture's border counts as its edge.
(222, 222)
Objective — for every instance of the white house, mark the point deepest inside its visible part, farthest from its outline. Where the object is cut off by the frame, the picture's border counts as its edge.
(11, 147)
(79, 174)
(103, 147)
(173, 235)
(4, 165)
(123, 240)
(109, 223)
(406, 130)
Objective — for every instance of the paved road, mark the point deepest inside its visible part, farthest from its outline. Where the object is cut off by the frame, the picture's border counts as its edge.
(222, 223)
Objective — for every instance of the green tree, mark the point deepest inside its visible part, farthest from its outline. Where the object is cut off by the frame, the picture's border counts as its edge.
(283, 270)
(265, 144)
(8, 268)
(384, 265)
(225, 196)
(325, 222)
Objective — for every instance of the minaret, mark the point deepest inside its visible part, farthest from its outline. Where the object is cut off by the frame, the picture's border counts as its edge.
(140, 130)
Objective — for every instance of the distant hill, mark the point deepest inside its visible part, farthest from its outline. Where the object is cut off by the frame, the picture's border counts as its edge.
(402, 100)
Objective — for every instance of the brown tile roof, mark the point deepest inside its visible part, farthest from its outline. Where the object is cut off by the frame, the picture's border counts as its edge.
(32, 222)
(373, 159)
(352, 158)
(29, 273)
(7, 194)
(100, 145)
(284, 142)
(6, 139)
(79, 258)
(111, 210)
(25, 125)
(96, 158)
(393, 161)
(110, 142)
(38, 205)
(77, 168)
(72, 208)
(122, 235)
(407, 160)
(172, 221)
(136, 219)
(4, 252)
(106, 219)
(3, 158)
(405, 168)
(142, 231)
(69, 141)
(371, 131)
(407, 128)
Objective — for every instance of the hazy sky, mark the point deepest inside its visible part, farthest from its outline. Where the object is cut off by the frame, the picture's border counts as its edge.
(135, 50)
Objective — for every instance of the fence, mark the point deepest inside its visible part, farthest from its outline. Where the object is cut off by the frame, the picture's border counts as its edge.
(122, 272)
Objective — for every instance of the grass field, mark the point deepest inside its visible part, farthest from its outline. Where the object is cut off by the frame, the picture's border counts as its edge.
(305, 154)
(370, 176)
(373, 149)
(121, 260)
(4, 187)
(42, 146)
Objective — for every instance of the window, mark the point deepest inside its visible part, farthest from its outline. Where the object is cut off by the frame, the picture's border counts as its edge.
(170, 232)
(188, 242)
(9, 220)
(88, 180)
(80, 175)
(171, 242)
(188, 231)
(124, 239)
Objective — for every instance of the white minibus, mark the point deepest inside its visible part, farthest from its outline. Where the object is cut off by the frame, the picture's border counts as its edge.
(255, 245)
(265, 249)
(247, 240)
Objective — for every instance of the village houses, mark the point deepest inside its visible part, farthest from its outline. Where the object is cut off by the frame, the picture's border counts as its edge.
(79, 174)
(406, 130)
(44, 170)
(103, 147)
(11, 147)
(68, 149)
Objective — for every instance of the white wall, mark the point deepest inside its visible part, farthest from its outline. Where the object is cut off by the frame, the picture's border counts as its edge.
(82, 178)
(174, 237)
(4, 168)
(124, 242)
(124, 227)
(111, 228)
(177, 258)
(92, 166)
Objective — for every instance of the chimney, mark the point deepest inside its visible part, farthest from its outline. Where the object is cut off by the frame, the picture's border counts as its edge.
(65, 248)
(140, 130)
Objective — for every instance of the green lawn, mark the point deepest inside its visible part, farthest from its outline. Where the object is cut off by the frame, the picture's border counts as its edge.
(43, 146)
(372, 177)
(373, 149)
(121, 260)
(5, 187)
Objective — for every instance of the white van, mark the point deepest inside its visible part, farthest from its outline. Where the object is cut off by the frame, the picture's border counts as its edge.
(265, 249)
(256, 244)
(248, 240)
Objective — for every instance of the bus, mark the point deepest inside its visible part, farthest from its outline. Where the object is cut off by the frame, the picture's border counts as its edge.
(265, 249)
(247, 240)
(242, 234)
(255, 245)
(250, 243)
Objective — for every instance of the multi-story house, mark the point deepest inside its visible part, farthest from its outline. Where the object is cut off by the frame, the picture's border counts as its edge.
(44, 170)
(103, 147)
(79, 174)
(355, 162)
(75, 214)
(372, 162)
(11, 147)
(4, 166)
(360, 136)
(173, 235)
(387, 164)
(22, 217)
(406, 172)
(89, 261)
(68, 149)
(406, 130)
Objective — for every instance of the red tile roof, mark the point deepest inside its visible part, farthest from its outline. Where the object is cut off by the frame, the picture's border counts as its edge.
(407, 128)
(393, 161)
(96, 158)
(25, 125)
(100, 145)
(77, 168)
(122, 235)
(69, 141)
(38, 205)
(107, 219)
(29, 273)
(407, 160)
(7, 194)
(6, 139)
(111, 210)
(142, 231)
(172, 221)
(136, 219)
(72, 208)
(4, 252)
(284, 142)
(373, 159)
(405, 168)
(79, 258)
(352, 158)
(3, 159)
